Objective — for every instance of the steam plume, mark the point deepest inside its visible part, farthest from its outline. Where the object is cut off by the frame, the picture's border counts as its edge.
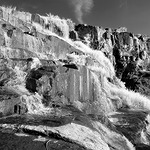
(81, 8)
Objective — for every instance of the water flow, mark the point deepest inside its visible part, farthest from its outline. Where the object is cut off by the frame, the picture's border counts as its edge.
(102, 95)
(110, 92)
(114, 94)
(100, 63)
(113, 88)
(64, 25)
(34, 104)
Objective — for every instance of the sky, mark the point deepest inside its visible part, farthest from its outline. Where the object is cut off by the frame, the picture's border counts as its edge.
(133, 14)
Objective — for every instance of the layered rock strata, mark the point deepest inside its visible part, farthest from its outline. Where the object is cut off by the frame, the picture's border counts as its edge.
(58, 93)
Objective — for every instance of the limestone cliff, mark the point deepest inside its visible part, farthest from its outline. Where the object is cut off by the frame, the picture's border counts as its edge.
(59, 89)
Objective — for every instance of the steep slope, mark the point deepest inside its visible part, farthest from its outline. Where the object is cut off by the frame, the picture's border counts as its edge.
(62, 89)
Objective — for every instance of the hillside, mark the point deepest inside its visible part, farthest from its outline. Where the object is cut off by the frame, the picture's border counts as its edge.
(61, 85)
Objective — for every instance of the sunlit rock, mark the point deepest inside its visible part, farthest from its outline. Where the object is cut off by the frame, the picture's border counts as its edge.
(57, 87)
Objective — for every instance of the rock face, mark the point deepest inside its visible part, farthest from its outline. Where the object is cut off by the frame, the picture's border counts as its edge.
(30, 142)
(88, 34)
(121, 47)
(58, 93)
(132, 124)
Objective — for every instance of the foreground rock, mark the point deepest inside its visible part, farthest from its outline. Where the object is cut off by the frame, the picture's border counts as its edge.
(142, 147)
(74, 128)
(22, 141)
(133, 124)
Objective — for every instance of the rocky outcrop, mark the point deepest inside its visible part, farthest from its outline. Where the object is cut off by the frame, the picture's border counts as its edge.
(59, 92)
(88, 34)
(132, 124)
(34, 142)
(121, 47)
(76, 127)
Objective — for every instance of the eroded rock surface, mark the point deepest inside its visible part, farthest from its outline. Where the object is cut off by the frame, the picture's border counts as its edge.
(133, 124)
(57, 93)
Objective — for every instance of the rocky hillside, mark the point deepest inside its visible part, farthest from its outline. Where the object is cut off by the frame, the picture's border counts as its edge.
(61, 88)
(124, 49)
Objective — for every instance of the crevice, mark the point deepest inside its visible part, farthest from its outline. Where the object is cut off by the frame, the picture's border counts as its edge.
(36, 133)
(72, 66)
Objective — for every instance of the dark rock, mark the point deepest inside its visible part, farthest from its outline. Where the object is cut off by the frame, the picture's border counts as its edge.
(148, 43)
(36, 81)
(10, 33)
(131, 123)
(82, 31)
(142, 147)
(20, 109)
(21, 141)
(73, 35)
(73, 66)
(124, 38)
(12, 141)
(59, 144)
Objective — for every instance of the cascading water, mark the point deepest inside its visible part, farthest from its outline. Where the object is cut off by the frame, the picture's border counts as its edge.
(110, 90)
(34, 104)
(110, 95)
(115, 91)
(90, 85)
(53, 23)
(34, 101)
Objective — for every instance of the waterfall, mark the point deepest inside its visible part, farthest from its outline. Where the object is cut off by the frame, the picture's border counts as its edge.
(110, 92)
(101, 95)
(101, 63)
(57, 25)
(34, 104)
(115, 91)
